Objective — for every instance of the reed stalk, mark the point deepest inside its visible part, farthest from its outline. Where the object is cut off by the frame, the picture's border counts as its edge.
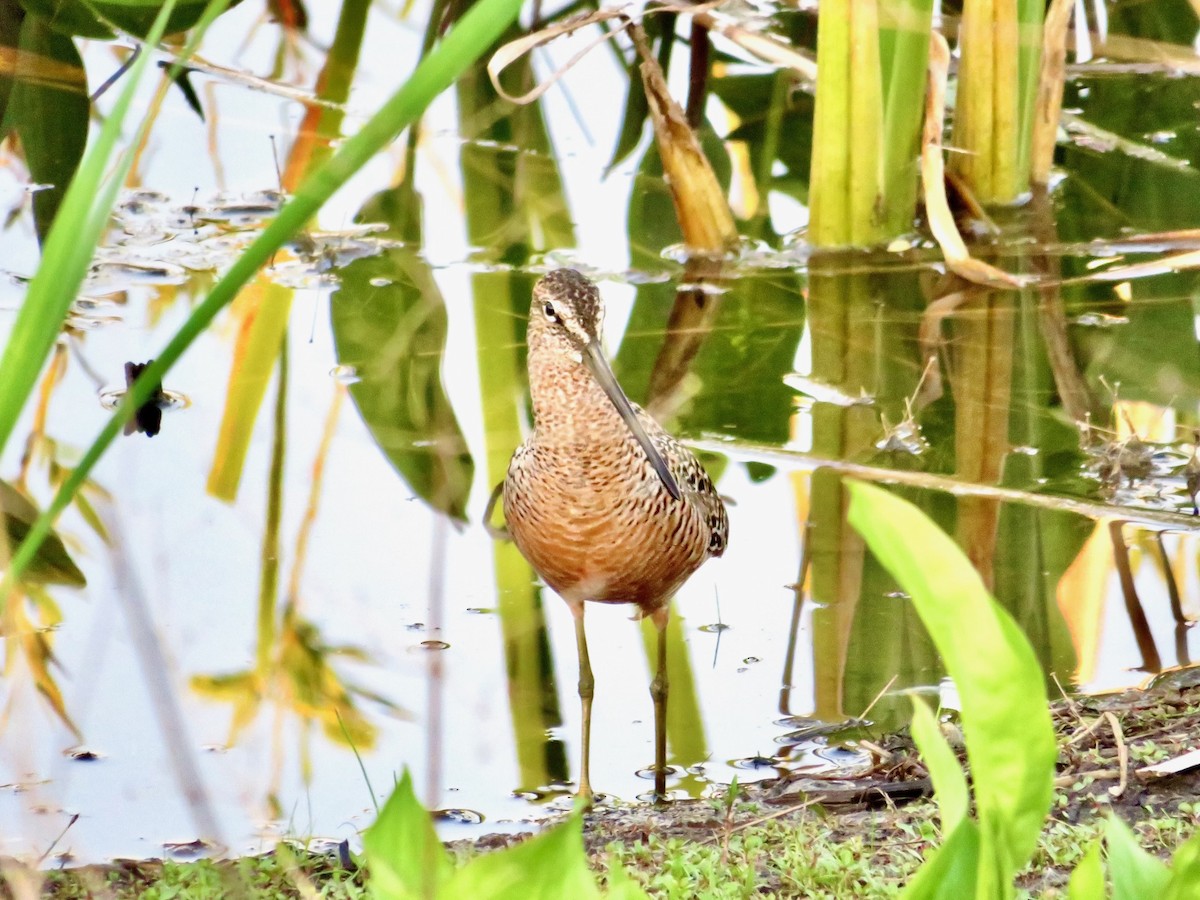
(871, 73)
(1000, 51)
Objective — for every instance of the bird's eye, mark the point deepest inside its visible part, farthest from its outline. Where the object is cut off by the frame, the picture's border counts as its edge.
(551, 314)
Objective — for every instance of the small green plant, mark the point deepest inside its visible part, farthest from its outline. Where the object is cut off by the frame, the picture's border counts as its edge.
(1006, 727)
(406, 860)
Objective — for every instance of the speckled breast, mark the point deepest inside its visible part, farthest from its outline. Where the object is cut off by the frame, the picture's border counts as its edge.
(603, 532)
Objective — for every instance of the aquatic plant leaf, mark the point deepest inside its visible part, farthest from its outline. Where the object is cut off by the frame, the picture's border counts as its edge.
(49, 612)
(951, 871)
(48, 107)
(992, 664)
(314, 689)
(515, 202)
(404, 855)
(52, 564)
(389, 325)
(137, 16)
(242, 690)
(949, 784)
(652, 225)
(69, 17)
(633, 123)
(1135, 873)
(183, 82)
(550, 866)
(1087, 881)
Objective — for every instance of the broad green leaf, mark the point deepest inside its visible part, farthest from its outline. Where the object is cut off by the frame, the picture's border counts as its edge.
(405, 857)
(949, 783)
(949, 872)
(992, 664)
(389, 325)
(48, 108)
(136, 16)
(548, 867)
(69, 17)
(52, 564)
(1185, 871)
(1087, 881)
(1135, 874)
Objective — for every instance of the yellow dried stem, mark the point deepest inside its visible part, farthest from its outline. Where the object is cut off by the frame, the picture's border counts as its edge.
(933, 177)
(1051, 79)
(700, 204)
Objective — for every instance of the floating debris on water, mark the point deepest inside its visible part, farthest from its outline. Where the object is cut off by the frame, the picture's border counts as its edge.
(148, 418)
(1099, 320)
(457, 816)
(822, 392)
(184, 851)
(83, 754)
(345, 375)
(753, 763)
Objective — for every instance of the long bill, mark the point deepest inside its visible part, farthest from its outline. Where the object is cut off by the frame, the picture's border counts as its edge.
(593, 358)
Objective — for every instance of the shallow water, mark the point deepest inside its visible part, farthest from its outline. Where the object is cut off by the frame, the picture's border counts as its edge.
(216, 664)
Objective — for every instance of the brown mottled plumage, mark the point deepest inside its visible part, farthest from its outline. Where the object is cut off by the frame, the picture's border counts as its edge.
(601, 511)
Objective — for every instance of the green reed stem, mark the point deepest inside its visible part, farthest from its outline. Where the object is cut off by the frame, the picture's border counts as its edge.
(1000, 46)
(871, 60)
(469, 39)
(904, 28)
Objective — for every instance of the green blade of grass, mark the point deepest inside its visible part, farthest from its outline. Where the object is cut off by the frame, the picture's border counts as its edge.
(473, 34)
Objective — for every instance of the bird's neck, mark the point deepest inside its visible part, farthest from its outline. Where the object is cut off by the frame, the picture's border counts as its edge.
(569, 406)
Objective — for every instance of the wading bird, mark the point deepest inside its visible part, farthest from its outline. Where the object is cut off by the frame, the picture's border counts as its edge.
(604, 504)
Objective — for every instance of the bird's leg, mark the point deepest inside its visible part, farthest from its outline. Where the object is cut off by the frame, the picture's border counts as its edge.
(587, 688)
(658, 693)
